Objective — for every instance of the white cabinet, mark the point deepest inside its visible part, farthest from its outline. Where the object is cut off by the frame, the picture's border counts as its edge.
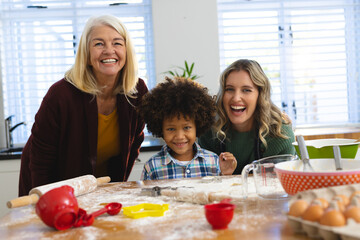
(139, 165)
(9, 182)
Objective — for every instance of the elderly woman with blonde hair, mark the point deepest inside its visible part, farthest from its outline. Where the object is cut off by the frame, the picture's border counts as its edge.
(248, 123)
(87, 122)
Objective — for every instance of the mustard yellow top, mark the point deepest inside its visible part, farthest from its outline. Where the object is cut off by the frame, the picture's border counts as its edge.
(108, 141)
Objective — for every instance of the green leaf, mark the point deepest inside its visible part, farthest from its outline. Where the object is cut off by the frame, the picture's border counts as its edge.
(186, 66)
(192, 67)
(184, 71)
(194, 77)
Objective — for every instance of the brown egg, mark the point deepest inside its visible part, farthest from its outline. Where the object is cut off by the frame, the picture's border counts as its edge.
(313, 213)
(345, 199)
(352, 212)
(333, 217)
(356, 193)
(298, 207)
(324, 203)
(339, 203)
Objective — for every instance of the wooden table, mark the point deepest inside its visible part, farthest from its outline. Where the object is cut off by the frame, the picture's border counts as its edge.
(254, 218)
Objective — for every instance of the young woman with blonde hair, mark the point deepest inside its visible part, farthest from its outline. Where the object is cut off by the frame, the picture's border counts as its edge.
(248, 123)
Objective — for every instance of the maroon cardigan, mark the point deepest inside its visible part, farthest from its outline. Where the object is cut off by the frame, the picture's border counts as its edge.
(63, 141)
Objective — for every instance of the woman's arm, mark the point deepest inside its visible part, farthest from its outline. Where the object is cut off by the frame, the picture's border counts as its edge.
(139, 122)
(43, 143)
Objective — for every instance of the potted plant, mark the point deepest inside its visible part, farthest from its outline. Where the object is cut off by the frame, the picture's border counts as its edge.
(186, 72)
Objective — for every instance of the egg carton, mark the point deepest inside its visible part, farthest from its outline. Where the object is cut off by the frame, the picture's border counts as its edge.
(351, 231)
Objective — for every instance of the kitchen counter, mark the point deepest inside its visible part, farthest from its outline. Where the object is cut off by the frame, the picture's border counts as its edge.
(254, 218)
(150, 144)
(10, 156)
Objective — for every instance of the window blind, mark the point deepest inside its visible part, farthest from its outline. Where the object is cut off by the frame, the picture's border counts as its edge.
(38, 44)
(308, 49)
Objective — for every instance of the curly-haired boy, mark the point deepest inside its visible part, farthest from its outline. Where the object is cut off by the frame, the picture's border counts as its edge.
(179, 110)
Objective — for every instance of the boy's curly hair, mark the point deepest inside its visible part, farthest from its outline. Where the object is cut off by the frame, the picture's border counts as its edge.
(176, 97)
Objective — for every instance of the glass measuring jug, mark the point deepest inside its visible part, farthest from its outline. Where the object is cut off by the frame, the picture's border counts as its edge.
(267, 184)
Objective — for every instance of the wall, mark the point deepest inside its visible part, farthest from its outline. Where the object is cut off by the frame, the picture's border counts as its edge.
(187, 30)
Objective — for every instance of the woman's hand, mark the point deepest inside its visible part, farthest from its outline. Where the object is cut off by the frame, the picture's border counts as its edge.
(227, 163)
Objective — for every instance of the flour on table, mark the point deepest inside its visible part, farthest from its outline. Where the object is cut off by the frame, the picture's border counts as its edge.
(185, 218)
(208, 190)
(29, 215)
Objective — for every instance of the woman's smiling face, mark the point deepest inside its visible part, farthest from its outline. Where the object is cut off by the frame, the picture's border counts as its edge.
(107, 52)
(240, 99)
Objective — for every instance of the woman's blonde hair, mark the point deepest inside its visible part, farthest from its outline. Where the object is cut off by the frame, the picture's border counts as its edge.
(81, 74)
(268, 117)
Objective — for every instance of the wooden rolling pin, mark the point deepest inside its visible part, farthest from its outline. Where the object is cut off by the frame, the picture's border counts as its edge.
(188, 194)
(83, 184)
(193, 195)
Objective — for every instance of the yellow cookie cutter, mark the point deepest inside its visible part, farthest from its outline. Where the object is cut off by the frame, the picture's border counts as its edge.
(145, 210)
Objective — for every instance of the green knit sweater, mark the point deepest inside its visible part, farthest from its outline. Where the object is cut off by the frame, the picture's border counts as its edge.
(242, 145)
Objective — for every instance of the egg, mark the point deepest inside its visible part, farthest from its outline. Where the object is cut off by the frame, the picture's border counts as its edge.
(298, 207)
(339, 202)
(324, 203)
(313, 213)
(345, 199)
(333, 217)
(352, 212)
(356, 193)
(355, 200)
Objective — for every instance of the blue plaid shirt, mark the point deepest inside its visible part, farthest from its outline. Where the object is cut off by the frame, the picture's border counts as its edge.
(163, 166)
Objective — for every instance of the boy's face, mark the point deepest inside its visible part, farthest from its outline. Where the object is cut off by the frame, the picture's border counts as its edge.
(180, 135)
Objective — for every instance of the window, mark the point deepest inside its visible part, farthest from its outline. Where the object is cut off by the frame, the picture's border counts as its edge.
(309, 49)
(39, 41)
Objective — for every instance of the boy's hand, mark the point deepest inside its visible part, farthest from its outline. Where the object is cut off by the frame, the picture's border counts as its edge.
(227, 163)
